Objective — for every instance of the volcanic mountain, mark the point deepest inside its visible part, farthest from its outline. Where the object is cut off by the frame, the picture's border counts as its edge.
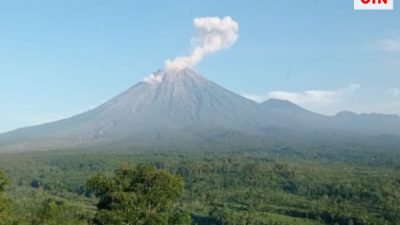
(170, 105)
(183, 107)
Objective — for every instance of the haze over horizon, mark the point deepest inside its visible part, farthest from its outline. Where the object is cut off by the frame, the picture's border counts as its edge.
(326, 57)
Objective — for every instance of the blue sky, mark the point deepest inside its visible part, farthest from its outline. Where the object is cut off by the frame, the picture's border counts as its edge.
(60, 58)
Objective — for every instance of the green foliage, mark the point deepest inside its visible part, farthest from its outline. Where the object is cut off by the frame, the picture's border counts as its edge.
(4, 202)
(137, 195)
(50, 213)
(3, 181)
(288, 187)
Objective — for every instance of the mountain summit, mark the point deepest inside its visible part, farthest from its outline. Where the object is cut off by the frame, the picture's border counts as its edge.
(182, 106)
(171, 103)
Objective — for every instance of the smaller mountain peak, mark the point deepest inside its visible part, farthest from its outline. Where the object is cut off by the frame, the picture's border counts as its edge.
(346, 114)
(275, 100)
(279, 103)
(283, 105)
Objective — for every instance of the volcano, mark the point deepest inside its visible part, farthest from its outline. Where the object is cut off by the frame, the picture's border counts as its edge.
(182, 106)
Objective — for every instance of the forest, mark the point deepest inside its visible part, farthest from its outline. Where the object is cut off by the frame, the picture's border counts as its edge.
(248, 187)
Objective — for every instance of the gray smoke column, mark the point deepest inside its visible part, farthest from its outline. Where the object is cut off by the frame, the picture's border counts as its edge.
(213, 34)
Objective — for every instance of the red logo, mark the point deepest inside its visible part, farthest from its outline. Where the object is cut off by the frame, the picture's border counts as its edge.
(373, 4)
(374, 1)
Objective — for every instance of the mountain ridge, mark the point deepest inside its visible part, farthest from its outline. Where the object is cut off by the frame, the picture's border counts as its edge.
(183, 106)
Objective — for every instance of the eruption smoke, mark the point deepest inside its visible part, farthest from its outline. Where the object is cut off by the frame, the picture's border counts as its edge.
(213, 34)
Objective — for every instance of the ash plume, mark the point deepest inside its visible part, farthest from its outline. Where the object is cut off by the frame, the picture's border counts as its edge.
(213, 34)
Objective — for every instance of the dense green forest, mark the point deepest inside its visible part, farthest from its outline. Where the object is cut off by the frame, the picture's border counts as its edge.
(285, 187)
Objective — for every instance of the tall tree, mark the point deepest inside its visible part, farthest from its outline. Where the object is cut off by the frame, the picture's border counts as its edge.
(4, 203)
(139, 195)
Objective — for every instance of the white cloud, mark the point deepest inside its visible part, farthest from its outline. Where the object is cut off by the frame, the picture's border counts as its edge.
(256, 98)
(394, 91)
(319, 97)
(390, 45)
(314, 96)
(213, 34)
(321, 101)
(352, 88)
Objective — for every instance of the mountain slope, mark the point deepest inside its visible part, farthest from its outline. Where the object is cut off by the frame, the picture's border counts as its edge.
(285, 113)
(374, 123)
(183, 107)
(171, 104)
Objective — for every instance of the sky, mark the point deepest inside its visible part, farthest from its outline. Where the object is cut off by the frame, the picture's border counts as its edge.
(61, 58)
